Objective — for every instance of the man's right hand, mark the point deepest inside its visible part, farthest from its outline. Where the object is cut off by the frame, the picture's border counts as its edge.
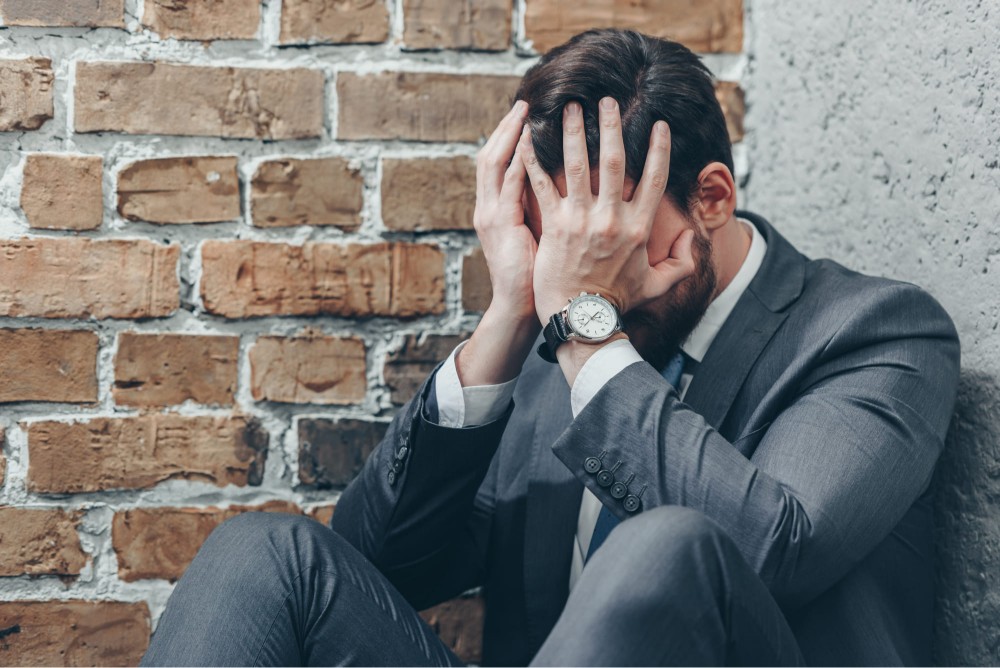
(509, 327)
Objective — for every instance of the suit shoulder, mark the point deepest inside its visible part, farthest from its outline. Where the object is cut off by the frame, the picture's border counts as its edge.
(878, 304)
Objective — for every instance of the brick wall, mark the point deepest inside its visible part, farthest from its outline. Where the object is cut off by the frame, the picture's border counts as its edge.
(234, 236)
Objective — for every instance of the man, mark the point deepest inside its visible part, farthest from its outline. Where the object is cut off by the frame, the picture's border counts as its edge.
(728, 462)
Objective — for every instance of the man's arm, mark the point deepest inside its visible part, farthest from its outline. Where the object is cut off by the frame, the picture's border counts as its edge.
(834, 473)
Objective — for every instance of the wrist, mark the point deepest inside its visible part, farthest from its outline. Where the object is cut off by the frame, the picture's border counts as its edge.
(574, 354)
(498, 348)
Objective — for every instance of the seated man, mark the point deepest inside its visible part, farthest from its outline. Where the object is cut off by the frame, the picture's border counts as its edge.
(727, 463)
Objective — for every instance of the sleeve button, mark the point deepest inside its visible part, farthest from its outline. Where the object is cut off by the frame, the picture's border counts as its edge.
(631, 503)
(618, 490)
(392, 477)
(592, 465)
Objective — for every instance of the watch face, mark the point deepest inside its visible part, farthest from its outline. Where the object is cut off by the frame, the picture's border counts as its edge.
(592, 317)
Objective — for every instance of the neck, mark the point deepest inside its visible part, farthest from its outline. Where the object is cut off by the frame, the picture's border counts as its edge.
(730, 245)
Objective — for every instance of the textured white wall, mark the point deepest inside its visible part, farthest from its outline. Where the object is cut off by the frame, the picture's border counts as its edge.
(874, 139)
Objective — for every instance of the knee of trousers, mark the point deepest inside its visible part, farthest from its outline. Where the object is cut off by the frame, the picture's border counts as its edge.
(267, 540)
(671, 547)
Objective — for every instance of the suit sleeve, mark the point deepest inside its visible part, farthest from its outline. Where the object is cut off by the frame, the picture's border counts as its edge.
(837, 468)
(421, 508)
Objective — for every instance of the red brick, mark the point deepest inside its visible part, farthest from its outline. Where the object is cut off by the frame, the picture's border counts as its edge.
(216, 19)
(159, 543)
(63, 192)
(322, 514)
(407, 368)
(39, 542)
(331, 453)
(88, 278)
(180, 190)
(706, 26)
(325, 191)
(168, 369)
(459, 623)
(27, 87)
(425, 194)
(243, 279)
(310, 369)
(422, 106)
(334, 21)
(731, 98)
(477, 290)
(139, 452)
(59, 13)
(48, 365)
(73, 633)
(483, 25)
(168, 99)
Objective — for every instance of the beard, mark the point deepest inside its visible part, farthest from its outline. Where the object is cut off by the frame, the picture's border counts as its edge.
(657, 328)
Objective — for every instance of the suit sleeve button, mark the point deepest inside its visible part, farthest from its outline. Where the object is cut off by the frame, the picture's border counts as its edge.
(618, 490)
(402, 452)
(606, 477)
(591, 464)
(392, 477)
(631, 503)
(397, 466)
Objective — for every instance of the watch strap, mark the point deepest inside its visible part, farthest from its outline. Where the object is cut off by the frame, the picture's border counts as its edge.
(555, 333)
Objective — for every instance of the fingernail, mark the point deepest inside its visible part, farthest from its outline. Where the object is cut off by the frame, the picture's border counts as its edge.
(574, 109)
(661, 127)
(520, 106)
(609, 104)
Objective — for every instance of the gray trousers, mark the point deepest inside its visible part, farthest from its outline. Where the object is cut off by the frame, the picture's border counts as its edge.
(668, 587)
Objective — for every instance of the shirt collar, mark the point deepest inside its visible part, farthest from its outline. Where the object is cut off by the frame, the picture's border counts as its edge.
(698, 343)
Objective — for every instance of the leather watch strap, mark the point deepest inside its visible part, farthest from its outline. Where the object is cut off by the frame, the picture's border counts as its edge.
(556, 333)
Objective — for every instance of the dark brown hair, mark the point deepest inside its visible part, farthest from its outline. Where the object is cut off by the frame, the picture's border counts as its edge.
(652, 79)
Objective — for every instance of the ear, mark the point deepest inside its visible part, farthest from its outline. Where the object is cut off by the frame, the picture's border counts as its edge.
(716, 196)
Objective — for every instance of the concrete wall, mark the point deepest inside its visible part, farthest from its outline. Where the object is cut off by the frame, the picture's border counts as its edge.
(874, 139)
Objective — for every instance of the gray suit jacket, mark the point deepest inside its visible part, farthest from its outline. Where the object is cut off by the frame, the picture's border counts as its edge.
(809, 434)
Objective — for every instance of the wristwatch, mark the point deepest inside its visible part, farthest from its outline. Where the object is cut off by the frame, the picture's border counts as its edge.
(588, 318)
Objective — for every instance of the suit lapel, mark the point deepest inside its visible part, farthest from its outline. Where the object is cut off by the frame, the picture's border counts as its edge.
(553, 504)
(758, 314)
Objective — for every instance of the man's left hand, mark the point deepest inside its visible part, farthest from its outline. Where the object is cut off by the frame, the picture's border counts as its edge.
(597, 243)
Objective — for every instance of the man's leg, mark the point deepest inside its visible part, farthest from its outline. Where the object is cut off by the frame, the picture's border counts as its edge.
(274, 589)
(668, 587)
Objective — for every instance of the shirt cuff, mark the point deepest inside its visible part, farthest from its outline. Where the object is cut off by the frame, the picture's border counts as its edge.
(468, 406)
(603, 365)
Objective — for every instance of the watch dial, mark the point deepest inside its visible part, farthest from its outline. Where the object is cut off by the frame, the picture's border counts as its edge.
(592, 318)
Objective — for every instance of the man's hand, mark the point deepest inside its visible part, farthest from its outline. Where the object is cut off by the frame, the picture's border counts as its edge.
(504, 336)
(598, 243)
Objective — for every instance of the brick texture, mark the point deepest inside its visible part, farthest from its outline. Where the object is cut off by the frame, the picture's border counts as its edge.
(426, 194)
(706, 26)
(85, 278)
(334, 21)
(39, 542)
(56, 13)
(180, 190)
(322, 514)
(48, 365)
(27, 87)
(459, 623)
(408, 367)
(215, 19)
(483, 25)
(422, 106)
(159, 543)
(73, 633)
(244, 279)
(331, 453)
(63, 192)
(162, 98)
(136, 453)
(310, 369)
(477, 290)
(166, 369)
(325, 191)
(3, 460)
(731, 98)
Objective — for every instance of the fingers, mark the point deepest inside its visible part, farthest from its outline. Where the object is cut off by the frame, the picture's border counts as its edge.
(541, 183)
(576, 164)
(656, 173)
(612, 153)
(513, 180)
(679, 265)
(495, 155)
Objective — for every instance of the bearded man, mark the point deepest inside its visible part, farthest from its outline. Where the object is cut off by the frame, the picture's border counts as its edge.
(720, 454)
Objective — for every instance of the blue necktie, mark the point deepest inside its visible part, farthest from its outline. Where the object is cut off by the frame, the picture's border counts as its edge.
(607, 520)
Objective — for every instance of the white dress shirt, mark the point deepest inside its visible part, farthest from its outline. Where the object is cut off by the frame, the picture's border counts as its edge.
(466, 406)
